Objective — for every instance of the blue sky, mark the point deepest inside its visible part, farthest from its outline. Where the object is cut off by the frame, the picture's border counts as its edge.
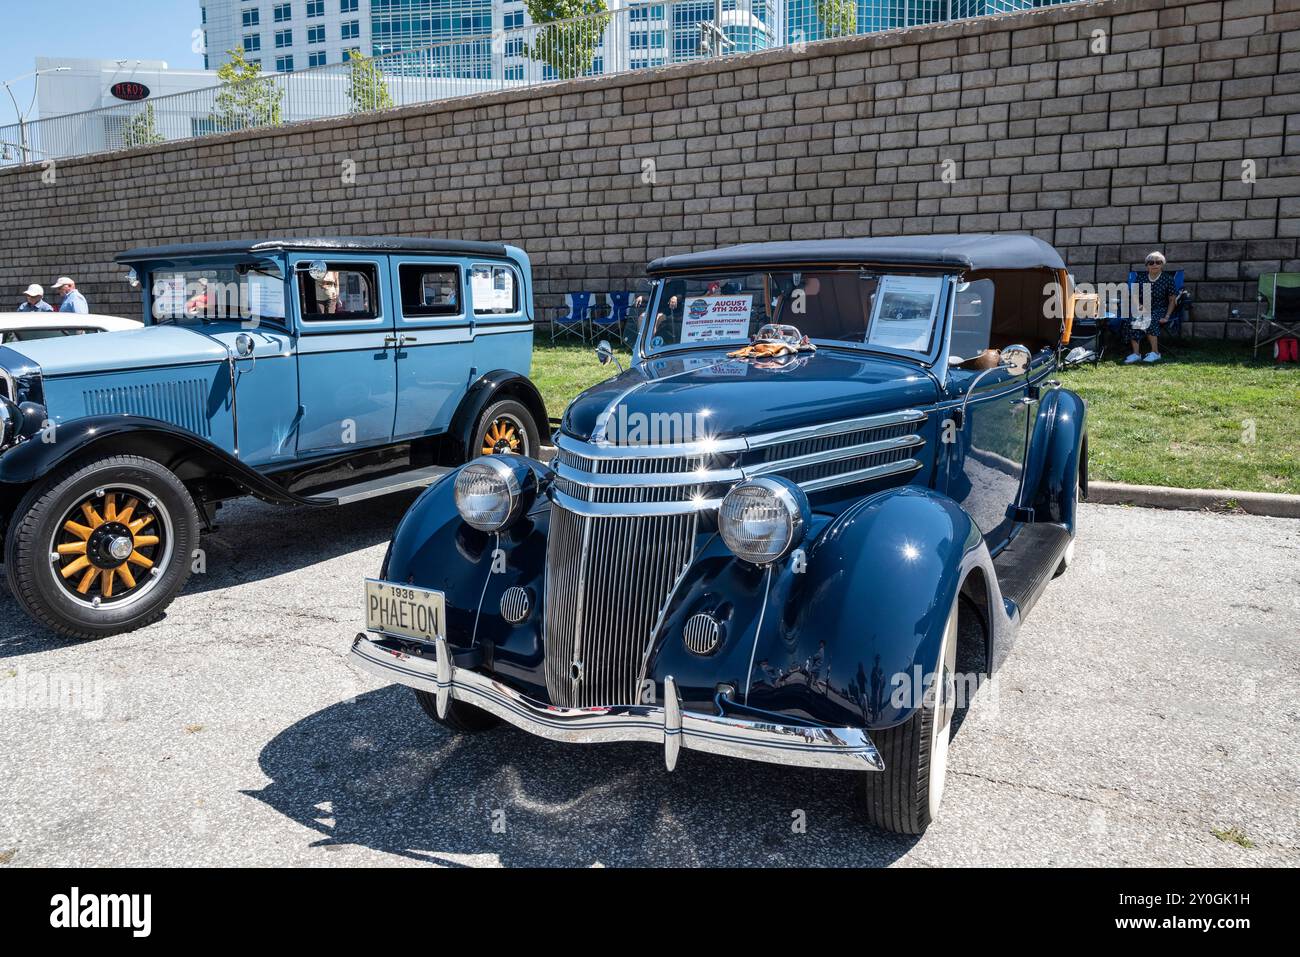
(103, 29)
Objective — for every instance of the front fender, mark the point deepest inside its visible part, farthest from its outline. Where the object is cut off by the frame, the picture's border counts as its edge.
(1056, 460)
(498, 384)
(433, 548)
(833, 642)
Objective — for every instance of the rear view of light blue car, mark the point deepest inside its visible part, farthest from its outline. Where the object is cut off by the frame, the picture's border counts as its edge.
(303, 371)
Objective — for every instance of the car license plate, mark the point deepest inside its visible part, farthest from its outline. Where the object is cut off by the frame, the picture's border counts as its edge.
(405, 611)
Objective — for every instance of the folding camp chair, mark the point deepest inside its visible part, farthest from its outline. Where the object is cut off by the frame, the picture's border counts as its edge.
(614, 318)
(1182, 303)
(575, 320)
(1088, 325)
(1278, 317)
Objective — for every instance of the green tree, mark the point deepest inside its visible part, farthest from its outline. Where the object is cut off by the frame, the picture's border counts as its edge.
(839, 17)
(570, 31)
(246, 99)
(366, 87)
(141, 129)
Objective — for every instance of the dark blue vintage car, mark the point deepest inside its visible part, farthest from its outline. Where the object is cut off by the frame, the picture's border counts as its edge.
(828, 461)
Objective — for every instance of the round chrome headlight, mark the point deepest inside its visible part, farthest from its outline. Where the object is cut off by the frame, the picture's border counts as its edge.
(763, 519)
(492, 492)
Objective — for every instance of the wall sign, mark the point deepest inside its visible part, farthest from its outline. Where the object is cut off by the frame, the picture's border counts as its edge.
(129, 91)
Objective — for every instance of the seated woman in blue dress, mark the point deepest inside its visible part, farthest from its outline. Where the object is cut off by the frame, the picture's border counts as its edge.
(1161, 299)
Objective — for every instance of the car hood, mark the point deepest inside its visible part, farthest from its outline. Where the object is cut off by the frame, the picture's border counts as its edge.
(146, 348)
(716, 397)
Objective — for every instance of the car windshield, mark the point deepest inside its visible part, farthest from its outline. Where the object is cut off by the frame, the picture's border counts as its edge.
(884, 311)
(210, 293)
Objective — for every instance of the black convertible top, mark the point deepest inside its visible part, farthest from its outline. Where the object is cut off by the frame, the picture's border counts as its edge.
(379, 244)
(974, 251)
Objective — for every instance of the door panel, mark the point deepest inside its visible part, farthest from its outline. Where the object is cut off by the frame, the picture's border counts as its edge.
(987, 459)
(435, 343)
(266, 393)
(346, 366)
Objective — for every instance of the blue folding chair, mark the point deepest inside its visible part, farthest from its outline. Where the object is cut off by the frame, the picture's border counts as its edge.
(1182, 300)
(614, 317)
(575, 320)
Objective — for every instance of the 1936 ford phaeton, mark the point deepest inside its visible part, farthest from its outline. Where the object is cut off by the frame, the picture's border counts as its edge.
(785, 580)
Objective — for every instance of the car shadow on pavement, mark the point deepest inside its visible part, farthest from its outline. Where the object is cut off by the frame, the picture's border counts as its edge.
(253, 542)
(376, 772)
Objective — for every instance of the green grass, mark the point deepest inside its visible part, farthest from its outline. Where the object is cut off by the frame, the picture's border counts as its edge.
(564, 369)
(1207, 417)
(1186, 422)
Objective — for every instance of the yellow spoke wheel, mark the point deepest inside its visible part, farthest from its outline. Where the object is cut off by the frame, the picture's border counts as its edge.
(506, 429)
(108, 546)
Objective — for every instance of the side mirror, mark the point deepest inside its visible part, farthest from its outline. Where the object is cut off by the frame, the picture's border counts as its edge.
(318, 269)
(605, 354)
(1016, 359)
(243, 345)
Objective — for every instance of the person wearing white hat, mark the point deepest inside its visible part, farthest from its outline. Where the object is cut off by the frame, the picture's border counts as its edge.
(73, 301)
(35, 300)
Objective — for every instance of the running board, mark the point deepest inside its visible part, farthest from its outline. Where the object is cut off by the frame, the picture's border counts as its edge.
(1027, 565)
(383, 485)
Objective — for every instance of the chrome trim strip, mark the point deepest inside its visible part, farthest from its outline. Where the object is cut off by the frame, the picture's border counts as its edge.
(835, 428)
(599, 449)
(861, 475)
(646, 479)
(596, 450)
(835, 455)
(754, 740)
(631, 509)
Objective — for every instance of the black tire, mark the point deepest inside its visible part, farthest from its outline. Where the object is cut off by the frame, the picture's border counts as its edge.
(48, 597)
(898, 798)
(506, 413)
(461, 717)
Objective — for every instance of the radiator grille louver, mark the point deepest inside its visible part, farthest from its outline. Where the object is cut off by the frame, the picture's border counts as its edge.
(183, 403)
(607, 581)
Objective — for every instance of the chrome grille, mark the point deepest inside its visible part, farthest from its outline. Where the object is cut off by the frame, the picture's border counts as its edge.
(515, 605)
(701, 634)
(633, 466)
(818, 457)
(826, 443)
(607, 582)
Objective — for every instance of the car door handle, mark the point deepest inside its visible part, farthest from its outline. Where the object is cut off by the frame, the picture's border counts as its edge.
(407, 339)
(1022, 400)
(390, 341)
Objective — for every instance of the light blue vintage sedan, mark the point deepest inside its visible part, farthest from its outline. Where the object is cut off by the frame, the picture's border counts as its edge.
(301, 370)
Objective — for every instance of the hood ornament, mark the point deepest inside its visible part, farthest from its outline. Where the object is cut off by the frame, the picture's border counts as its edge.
(772, 341)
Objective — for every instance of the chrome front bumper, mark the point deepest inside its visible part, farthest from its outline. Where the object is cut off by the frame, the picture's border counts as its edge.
(810, 747)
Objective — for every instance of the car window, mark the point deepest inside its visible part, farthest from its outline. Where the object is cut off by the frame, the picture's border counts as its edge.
(972, 322)
(346, 291)
(894, 311)
(430, 290)
(27, 335)
(208, 293)
(494, 289)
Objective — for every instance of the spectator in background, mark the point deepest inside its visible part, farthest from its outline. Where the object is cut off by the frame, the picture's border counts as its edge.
(1162, 301)
(35, 300)
(73, 301)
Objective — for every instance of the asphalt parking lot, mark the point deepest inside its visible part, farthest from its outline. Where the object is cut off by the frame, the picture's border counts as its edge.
(1150, 702)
